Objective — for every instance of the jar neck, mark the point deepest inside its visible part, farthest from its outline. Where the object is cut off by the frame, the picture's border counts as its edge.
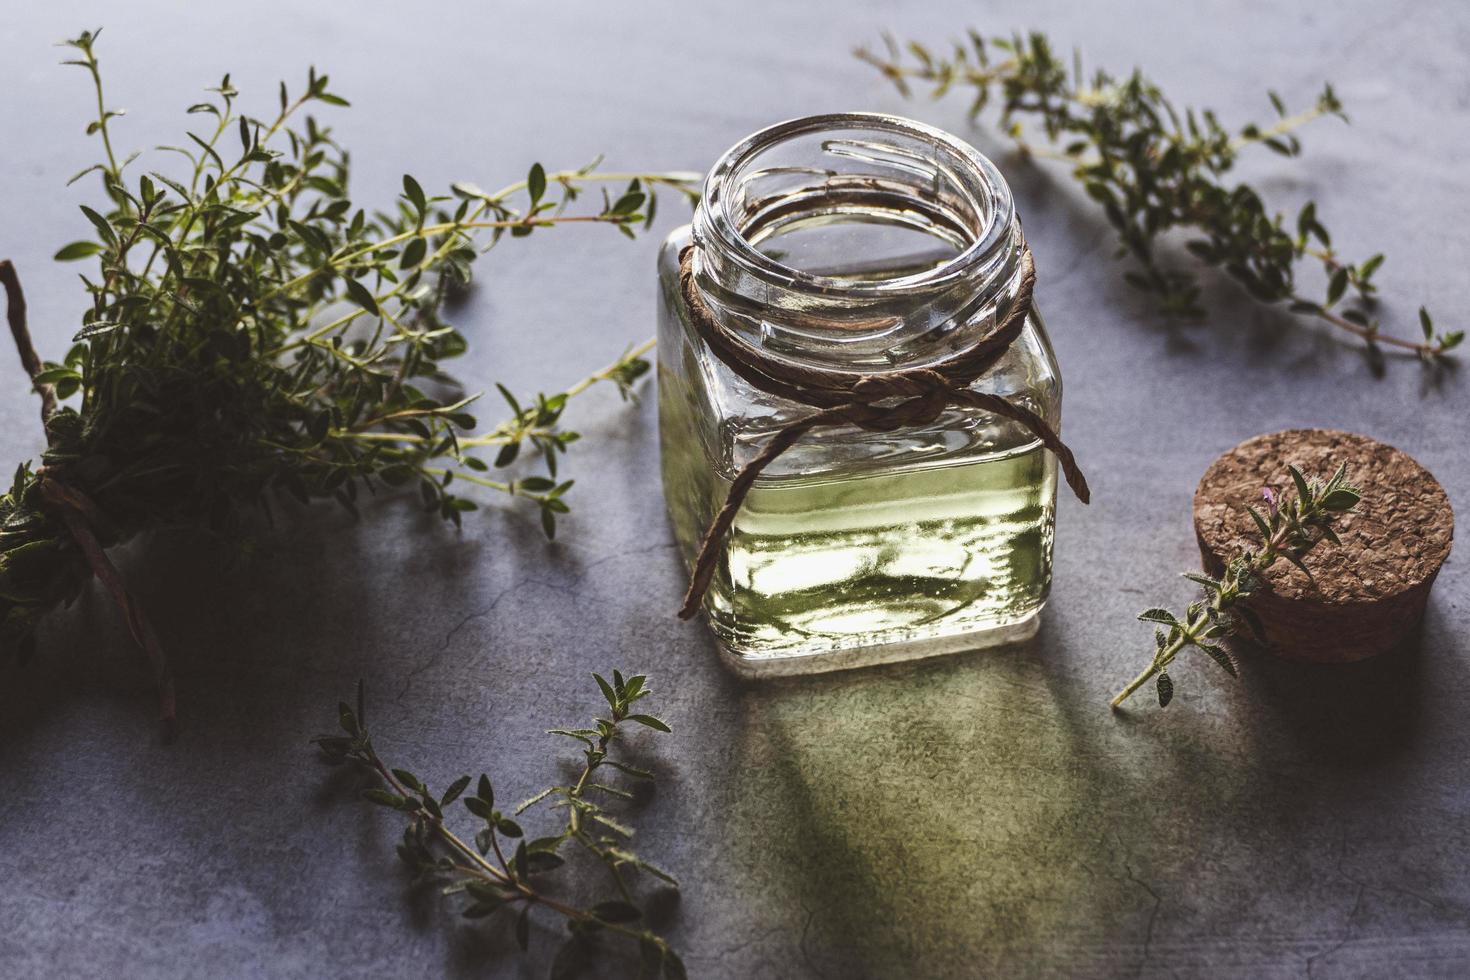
(857, 241)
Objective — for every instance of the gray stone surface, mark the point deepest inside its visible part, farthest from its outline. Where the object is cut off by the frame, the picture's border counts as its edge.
(980, 815)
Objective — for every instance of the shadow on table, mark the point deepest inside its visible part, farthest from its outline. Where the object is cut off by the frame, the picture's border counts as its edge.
(262, 650)
(935, 819)
(218, 614)
(318, 593)
(1358, 715)
(957, 817)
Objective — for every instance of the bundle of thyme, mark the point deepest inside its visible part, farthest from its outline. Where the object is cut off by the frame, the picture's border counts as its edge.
(504, 873)
(1291, 527)
(253, 331)
(1154, 167)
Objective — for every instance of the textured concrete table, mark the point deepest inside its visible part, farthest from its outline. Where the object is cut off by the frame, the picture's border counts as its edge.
(983, 814)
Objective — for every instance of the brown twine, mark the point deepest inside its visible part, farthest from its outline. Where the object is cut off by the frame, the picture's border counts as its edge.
(868, 401)
(81, 515)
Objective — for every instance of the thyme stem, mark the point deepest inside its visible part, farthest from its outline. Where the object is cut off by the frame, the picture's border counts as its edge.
(1153, 166)
(1296, 523)
(217, 375)
(491, 887)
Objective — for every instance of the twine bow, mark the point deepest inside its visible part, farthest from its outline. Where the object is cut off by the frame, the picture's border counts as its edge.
(875, 402)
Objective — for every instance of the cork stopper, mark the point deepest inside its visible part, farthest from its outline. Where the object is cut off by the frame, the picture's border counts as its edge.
(1371, 592)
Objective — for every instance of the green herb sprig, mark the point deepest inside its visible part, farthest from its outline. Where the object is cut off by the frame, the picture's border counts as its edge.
(503, 872)
(1155, 167)
(253, 331)
(1291, 527)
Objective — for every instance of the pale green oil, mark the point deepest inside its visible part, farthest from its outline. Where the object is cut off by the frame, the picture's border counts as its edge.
(866, 561)
(891, 557)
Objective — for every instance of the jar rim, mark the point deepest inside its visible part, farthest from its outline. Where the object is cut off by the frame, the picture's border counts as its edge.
(715, 219)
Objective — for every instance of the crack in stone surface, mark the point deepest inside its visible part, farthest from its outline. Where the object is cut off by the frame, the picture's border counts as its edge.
(650, 549)
(1347, 933)
(565, 588)
(433, 659)
(806, 929)
(1153, 916)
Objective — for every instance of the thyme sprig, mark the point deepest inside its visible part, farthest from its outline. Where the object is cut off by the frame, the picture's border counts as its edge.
(503, 872)
(1294, 524)
(1155, 167)
(253, 331)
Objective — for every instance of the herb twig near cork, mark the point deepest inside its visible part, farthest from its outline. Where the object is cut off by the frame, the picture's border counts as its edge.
(1155, 167)
(1293, 524)
(505, 873)
(252, 332)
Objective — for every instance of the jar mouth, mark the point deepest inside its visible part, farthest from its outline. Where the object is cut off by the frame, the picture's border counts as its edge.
(948, 190)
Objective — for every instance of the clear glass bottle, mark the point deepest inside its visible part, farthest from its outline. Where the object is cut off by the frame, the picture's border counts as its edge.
(863, 243)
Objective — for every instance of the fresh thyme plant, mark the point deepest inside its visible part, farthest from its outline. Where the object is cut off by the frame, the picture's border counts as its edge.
(252, 329)
(504, 873)
(1291, 527)
(1154, 167)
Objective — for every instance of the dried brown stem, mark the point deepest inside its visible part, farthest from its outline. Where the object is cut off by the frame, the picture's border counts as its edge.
(81, 515)
(16, 314)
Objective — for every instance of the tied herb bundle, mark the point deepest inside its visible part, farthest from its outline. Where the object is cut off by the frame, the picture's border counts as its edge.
(1291, 527)
(253, 330)
(504, 873)
(1154, 168)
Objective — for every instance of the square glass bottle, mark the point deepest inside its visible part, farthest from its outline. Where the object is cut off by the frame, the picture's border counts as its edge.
(858, 243)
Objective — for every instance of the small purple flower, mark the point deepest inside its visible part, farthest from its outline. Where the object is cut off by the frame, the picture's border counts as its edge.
(1270, 497)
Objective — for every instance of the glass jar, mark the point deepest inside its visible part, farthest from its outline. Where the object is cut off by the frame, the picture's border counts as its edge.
(859, 243)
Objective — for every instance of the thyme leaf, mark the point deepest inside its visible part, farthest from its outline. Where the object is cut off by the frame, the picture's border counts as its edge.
(1154, 167)
(504, 872)
(253, 332)
(1295, 523)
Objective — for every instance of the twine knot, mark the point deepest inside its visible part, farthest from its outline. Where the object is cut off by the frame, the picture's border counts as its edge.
(874, 402)
(927, 393)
